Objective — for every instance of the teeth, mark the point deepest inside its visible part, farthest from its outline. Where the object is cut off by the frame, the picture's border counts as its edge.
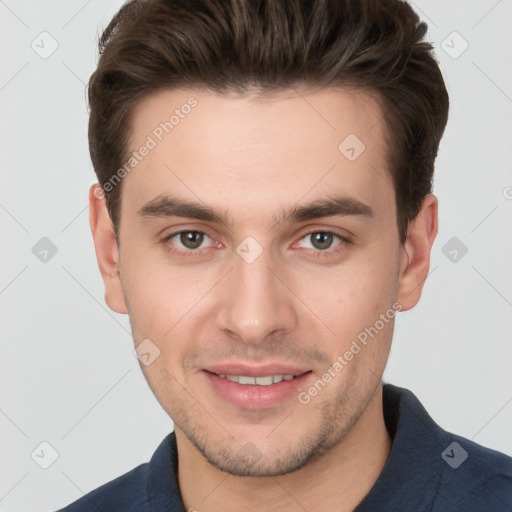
(266, 380)
(246, 380)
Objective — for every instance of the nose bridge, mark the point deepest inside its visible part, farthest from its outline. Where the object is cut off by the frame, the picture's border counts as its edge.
(255, 303)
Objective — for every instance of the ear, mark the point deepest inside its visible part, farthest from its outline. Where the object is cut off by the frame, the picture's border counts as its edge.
(107, 252)
(415, 253)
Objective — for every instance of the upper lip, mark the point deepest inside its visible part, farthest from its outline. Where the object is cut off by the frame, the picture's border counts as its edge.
(256, 371)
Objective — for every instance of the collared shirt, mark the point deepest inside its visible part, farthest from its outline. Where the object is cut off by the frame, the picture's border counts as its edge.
(428, 470)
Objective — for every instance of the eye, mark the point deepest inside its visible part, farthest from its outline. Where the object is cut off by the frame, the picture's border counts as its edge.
(190, 241)
(322, 241)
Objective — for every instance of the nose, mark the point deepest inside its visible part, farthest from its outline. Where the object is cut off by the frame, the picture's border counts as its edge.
(256, 303)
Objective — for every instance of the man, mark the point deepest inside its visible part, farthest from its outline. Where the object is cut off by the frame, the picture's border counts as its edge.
(264, 210)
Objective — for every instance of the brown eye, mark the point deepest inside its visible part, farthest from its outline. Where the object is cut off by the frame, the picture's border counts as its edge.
(321, 240)
(186, 243)
(323, 244)
(191, 239)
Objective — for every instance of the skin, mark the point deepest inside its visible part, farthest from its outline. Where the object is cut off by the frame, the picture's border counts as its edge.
(296, 303)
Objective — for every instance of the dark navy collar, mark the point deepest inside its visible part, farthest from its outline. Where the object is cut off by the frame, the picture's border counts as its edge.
(414, 462)
(163, 489)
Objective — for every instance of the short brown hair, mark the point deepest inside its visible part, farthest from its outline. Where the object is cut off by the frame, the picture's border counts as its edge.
(273, 45)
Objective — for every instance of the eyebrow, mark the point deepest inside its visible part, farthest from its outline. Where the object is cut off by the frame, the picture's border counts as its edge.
(165, 206)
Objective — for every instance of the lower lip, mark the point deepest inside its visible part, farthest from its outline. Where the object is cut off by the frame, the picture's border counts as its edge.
(252, 396)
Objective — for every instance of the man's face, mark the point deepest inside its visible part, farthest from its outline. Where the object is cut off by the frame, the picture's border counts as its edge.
(265, 295)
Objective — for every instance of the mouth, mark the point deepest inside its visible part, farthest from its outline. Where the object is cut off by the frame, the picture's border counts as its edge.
(264, 380)
(256, 388)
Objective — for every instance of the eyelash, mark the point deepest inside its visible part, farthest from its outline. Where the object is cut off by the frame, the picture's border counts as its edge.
(197, 252)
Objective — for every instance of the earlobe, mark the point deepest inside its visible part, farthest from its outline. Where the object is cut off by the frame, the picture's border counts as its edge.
(415, 257)
(107, 252)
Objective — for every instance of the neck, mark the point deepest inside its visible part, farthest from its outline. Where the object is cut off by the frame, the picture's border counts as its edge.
(338, 480)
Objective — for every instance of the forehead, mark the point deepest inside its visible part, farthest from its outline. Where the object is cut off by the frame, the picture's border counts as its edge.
(255, 117)
(238, 150)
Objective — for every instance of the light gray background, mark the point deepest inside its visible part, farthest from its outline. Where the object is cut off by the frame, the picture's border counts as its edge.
(68, 374)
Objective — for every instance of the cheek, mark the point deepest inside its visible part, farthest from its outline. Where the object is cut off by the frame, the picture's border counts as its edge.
(166, 305)
(159, 295)
(357, 294)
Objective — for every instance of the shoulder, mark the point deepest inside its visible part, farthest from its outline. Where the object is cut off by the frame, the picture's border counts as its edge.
(126, 493)
(474, 478)
(150, 486)
(441, 470)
